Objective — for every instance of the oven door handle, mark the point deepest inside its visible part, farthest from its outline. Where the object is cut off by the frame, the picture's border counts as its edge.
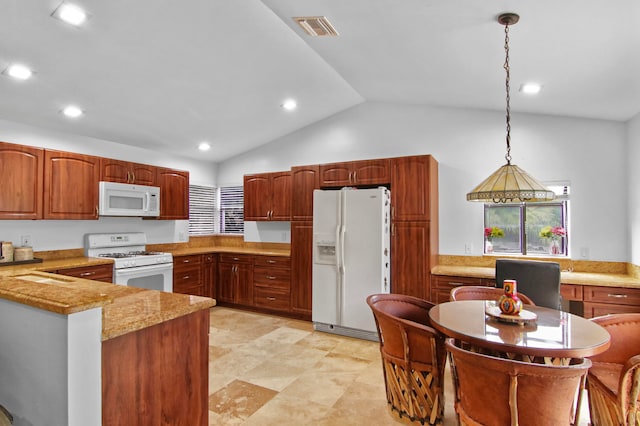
(138, 269)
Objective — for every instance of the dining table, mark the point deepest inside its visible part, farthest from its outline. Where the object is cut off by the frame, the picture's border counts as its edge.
(537, 334)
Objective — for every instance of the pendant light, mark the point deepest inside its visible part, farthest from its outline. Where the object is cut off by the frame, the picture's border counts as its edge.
(509, 184)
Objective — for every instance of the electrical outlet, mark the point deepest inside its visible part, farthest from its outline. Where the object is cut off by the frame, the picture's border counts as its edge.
(25, 240)
(468, 248)
(584, 252)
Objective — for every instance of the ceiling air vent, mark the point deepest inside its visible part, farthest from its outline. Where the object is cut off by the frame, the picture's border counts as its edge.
(316, 26)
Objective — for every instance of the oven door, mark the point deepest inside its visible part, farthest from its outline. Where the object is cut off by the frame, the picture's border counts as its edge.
(152, 277)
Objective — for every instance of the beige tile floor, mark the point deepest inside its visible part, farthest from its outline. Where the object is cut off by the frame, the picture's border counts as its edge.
(268, 370)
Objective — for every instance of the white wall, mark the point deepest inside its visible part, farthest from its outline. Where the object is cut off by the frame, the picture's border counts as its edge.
(68, 234)
(633, 159)
(469, 145)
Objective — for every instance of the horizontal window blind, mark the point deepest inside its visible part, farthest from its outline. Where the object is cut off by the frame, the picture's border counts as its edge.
(231, 214)
(202, 210)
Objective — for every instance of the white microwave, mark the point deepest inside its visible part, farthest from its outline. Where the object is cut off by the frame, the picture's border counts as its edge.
(123, 199)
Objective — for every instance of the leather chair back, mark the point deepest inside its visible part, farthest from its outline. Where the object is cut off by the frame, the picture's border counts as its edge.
(479, 292)
(538, 280)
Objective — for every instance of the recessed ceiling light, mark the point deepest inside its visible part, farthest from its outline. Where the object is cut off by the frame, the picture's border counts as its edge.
(72, 111)
(18, 71)
(204, 146)
(530, 88)
(70, 14)
(289, 105)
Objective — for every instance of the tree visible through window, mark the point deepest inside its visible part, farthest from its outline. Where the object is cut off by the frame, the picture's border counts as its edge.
(537, 229)
(216, 210)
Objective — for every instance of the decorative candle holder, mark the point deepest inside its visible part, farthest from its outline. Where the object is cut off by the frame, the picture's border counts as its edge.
(509, 302)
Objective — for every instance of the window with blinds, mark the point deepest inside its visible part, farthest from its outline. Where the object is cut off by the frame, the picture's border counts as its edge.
(231, 213)
(202, 210)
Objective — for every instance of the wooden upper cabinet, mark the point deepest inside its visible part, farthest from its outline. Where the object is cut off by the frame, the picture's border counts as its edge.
(267, 196)
(71, 185)
(174, 193)
(304, 179)
(366, 172)
(21, 181)
(126, 172)
(414, 188)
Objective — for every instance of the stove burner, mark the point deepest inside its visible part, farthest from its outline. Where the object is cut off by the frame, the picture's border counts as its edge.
(143, 253)
(115, 255)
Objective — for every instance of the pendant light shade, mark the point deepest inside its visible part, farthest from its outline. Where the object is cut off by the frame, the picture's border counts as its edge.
(509, 183)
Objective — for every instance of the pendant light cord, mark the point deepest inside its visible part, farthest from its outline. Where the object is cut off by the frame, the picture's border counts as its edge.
(506, 68)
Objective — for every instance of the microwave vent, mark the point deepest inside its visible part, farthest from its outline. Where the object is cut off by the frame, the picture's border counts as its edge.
(316, 26)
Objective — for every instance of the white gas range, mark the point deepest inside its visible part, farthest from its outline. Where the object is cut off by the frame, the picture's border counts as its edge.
(133, 265)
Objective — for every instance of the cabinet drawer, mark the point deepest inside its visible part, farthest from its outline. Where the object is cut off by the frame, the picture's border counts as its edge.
(180, 262)
(592, 310)
(97, 273)
(614, 295)
(449, 281)
(187, 276)
(272, 277)
(571, 292)
(272, 261)
(271, 299)
(234, 258)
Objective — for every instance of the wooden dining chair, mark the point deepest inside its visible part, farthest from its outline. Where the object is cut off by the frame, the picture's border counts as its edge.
(413, 357)
(537, 279)
(480, 292)
(499, 391)
(614, 379)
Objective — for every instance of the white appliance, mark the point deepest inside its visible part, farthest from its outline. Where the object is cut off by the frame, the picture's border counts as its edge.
(123, 199)
(351, 256)
(132, 265)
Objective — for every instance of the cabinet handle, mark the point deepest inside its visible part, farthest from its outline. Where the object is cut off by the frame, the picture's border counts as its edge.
(617, 296)
(393, 212)
(273, 299)
(186, 277)
(355, 177)
(186, 261)
(96, 211)
(393, 230)
(271, 261)
(350, 174)
(133, 177)
(236, 258)
(271, 277)
(87, 274)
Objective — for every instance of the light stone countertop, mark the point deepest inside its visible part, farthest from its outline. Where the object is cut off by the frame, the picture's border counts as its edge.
(567, 277)
(124, 309)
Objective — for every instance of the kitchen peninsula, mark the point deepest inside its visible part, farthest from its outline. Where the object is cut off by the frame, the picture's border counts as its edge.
(78, 352)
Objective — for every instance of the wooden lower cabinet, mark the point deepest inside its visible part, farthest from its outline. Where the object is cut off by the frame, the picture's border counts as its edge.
(210, 273)
(188, 275)
(235, 279)
(600, 300)
(301, 267)
(410, 272)
(158, 375)
(441, 285)
(95, 272)
(272, 283)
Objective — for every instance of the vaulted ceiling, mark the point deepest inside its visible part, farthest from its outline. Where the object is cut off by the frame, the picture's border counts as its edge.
(167, 75)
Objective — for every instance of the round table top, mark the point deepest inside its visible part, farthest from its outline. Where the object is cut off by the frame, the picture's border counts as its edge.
(553, 334)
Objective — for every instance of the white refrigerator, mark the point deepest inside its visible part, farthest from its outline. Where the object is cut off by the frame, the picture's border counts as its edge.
(351, 258)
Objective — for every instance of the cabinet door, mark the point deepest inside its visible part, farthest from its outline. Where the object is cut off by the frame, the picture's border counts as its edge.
(143, 174)
(414, 188)
(410, 271)
(304, 179)
(257, 197)
(114, 170)
(226, 282)
(70, 185)
(96, 272)
(371, 172)
(244, 284)
(210, 266)
(335, 174)
(301, 266)
(280, 196)
(174, 194)
(21, 181)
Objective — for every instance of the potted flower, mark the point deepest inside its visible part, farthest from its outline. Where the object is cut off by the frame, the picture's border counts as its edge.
(554, 234)
(489, 234)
